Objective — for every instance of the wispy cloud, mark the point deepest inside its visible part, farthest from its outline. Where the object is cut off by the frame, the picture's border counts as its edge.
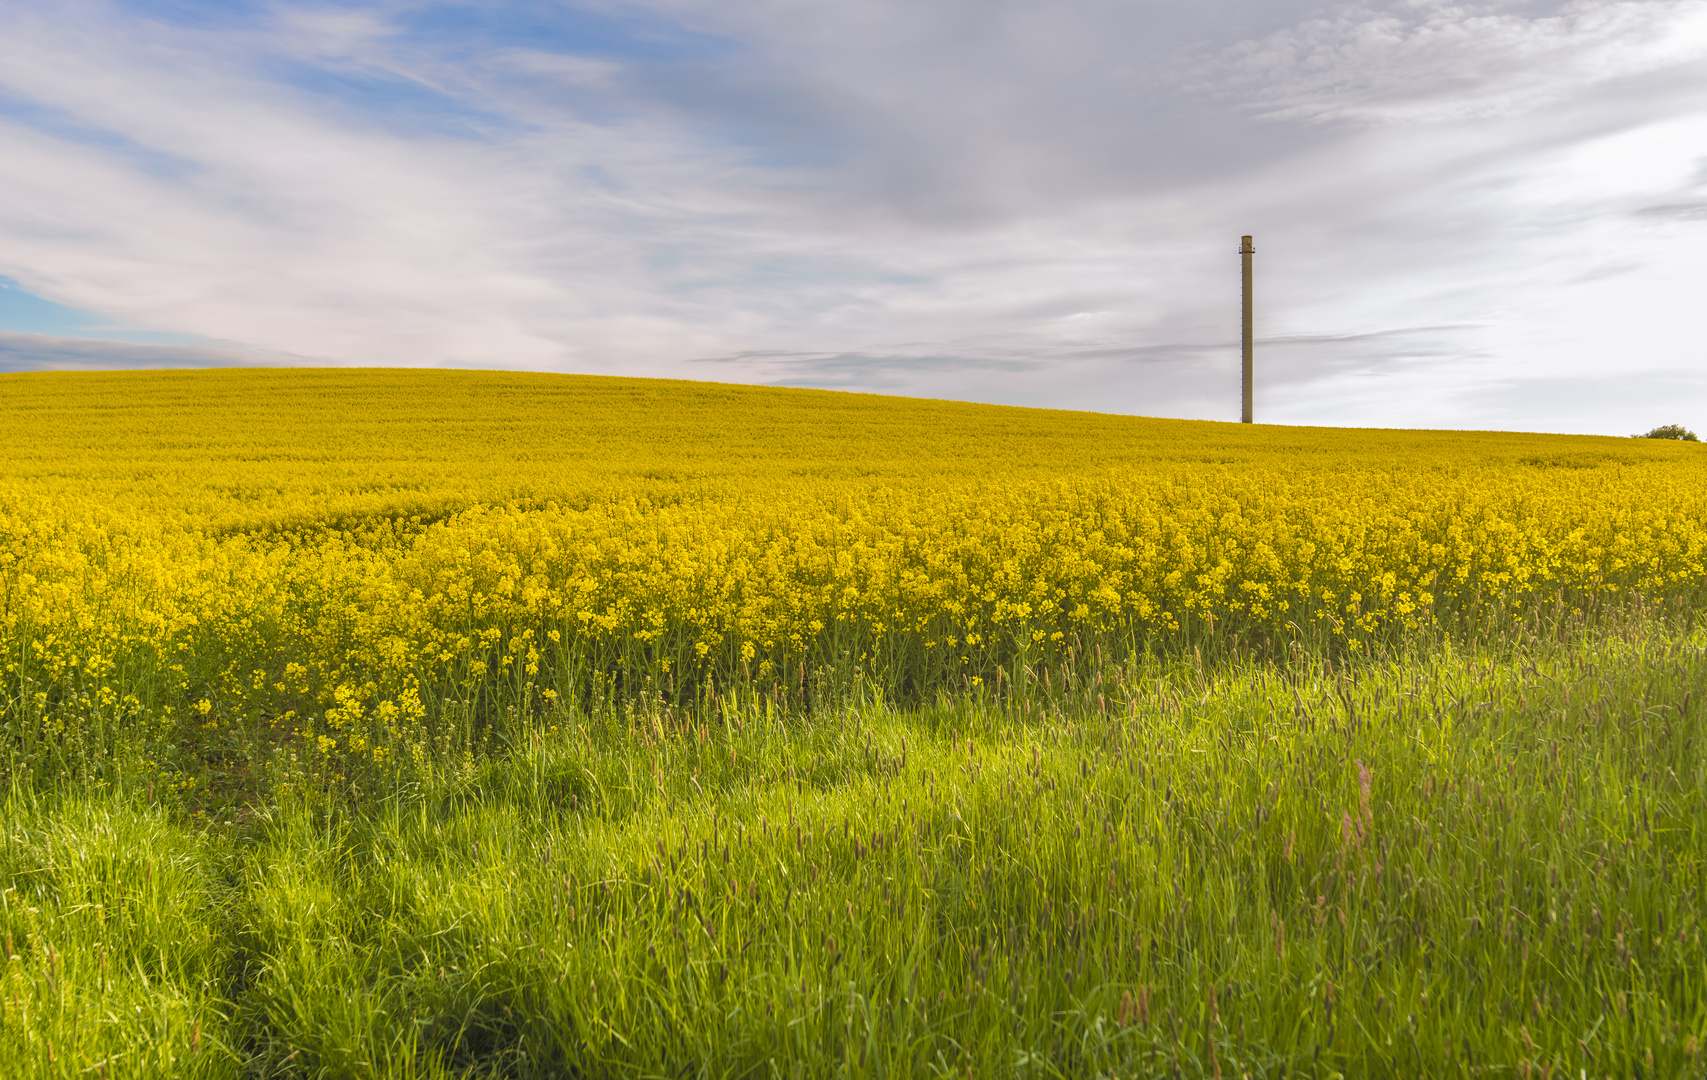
(966, 198)
(45, 352)
(1444, 60)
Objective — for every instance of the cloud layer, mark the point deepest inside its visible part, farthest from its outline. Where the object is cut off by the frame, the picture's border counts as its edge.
(1467, 214)
(43, 352)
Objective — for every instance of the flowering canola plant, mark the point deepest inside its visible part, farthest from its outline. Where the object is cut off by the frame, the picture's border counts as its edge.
(374, 566)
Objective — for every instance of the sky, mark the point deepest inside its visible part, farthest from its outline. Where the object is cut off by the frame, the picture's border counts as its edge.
(1466, 215)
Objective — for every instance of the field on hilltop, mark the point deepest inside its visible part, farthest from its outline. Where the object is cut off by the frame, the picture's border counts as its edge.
(255, 449)
(247, 449)
(370, 723)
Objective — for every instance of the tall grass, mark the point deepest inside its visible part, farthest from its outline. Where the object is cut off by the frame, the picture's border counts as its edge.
(1482, 858)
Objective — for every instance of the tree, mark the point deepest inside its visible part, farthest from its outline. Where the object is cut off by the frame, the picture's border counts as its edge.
(1671, 431)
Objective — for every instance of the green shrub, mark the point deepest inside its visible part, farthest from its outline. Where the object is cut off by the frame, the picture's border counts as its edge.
(1671, 431)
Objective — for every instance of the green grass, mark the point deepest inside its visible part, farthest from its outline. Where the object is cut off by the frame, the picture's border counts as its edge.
(1482, 860)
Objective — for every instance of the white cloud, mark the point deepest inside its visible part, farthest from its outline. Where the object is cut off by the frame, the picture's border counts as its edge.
(1435, 60)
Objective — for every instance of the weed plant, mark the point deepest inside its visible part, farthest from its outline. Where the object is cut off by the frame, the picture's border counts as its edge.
(1471, 857)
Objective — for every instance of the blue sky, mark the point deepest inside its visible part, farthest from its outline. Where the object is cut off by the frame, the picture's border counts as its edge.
(23, 312)
(1467, 214)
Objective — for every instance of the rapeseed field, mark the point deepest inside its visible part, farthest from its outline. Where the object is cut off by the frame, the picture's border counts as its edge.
(351, 558)
(364, 723)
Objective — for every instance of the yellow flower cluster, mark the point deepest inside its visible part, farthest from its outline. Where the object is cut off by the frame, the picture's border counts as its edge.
(374, 561)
